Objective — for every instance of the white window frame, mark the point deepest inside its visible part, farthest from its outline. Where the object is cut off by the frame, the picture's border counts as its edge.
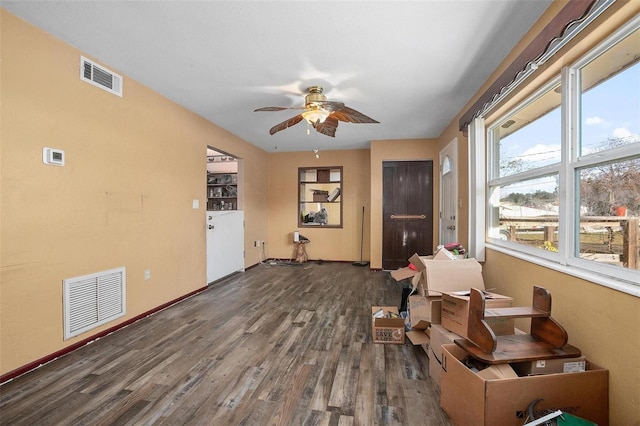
(621, 279)
(494, 180)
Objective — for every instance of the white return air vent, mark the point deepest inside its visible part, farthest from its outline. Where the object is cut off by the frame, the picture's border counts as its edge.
(93, 300)
(100, 77)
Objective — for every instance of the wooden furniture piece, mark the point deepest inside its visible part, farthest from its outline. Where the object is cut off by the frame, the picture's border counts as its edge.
(547, 338)
(301, 251)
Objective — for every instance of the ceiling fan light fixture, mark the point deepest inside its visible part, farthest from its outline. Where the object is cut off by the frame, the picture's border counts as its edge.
(316, 112)
(315, 115)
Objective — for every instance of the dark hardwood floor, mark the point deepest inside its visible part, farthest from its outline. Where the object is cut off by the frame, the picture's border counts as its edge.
(276, 345)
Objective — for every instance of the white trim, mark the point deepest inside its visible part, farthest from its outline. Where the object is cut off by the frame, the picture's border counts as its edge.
(540, 172)
(604, 280)
(477, 189)
(569, 122)
(449, 152)
(623, 32)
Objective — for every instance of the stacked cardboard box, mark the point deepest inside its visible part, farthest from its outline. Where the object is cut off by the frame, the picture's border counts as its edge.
(499, 396)
(439, 336)
(431, 277)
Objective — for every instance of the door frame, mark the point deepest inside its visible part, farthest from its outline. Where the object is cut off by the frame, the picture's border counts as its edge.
(239, 208)
(448, 199)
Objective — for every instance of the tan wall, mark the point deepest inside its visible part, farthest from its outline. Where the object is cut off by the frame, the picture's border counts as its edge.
(341, 244)
(388, 150)
(602, 322)
(124, 198)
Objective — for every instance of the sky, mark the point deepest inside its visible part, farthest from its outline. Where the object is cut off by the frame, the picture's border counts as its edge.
(609, 110)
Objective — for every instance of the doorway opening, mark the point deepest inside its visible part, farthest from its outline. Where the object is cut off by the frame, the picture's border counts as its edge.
(225, 215)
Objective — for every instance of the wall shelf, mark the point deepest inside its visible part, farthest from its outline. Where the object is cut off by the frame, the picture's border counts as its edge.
(320, 197)
(222, 191)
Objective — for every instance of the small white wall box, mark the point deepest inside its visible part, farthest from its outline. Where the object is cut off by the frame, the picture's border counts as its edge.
(53, 156)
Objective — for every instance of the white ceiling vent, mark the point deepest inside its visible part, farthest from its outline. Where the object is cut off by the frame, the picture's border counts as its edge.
(100, 77)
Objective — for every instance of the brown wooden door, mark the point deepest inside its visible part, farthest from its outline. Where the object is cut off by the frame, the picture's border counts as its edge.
(407, 207)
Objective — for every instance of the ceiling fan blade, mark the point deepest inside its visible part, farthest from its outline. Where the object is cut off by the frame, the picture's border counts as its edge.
(328, 127)
(350, 115)
(272, 108)
(331, 105)
(286, 124)
(317, 106)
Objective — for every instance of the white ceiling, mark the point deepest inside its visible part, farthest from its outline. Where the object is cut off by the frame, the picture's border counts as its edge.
(411, 65)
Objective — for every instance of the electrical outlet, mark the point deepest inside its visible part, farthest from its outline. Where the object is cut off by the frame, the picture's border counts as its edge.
(147, 274)
(256, 243)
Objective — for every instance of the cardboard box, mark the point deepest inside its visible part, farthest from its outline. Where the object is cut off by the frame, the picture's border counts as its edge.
(470, 400)
(498, 371)
(439, 336)
(416, 260)
(387, 330)
(424, 311)
(439, 276)
(550, 366)
(434, 275)
(455, 312)
(419, 337)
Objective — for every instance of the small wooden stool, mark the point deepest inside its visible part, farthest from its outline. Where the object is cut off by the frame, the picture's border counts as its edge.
(301, 252)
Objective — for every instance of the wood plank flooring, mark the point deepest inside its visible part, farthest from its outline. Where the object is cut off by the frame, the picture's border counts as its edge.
(276, 345)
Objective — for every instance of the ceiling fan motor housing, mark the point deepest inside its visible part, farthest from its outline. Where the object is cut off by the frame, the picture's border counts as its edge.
(315, 96)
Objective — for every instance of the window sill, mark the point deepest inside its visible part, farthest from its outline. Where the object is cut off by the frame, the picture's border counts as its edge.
(606, 281)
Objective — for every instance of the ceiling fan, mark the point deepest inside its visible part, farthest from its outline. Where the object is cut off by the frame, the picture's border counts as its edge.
(322, 114)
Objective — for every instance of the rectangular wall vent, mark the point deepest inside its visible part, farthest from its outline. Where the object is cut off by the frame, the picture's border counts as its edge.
(100, 77)
(93, 300)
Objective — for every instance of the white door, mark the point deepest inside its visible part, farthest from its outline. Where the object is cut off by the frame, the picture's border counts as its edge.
(449, 193)
(225, 243)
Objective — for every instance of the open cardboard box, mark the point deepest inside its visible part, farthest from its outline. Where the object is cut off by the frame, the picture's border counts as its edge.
(423, 312)
(387, 330)
(455, 312)
(440, 273)
(470, 400)
(415, 260)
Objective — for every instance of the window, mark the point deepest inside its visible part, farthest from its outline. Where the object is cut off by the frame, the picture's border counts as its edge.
(524, 176)
(563, 176)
